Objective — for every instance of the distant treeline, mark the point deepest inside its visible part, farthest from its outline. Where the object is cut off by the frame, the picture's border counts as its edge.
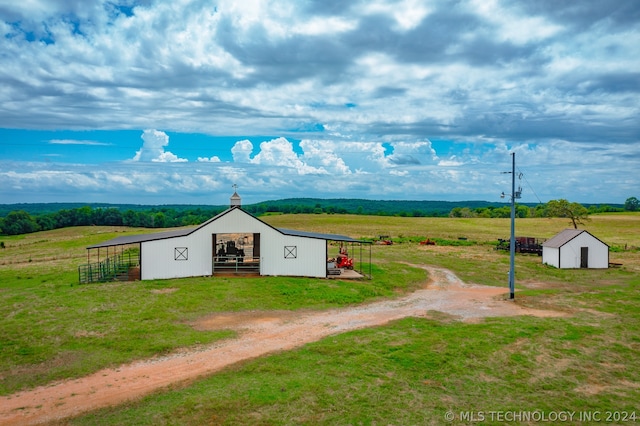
(522, 211)
(18, 219)
(21, 222)
(289, 205)
(363, 207)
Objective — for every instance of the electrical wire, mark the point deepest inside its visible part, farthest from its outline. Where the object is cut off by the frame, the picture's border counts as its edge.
(522, 175)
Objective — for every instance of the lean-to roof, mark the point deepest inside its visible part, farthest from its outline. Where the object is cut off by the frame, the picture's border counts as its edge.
(140, 238)
(320, 236)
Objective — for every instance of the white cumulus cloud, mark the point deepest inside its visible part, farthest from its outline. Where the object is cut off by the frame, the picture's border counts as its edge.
(241, 151)
(214, 159)
(276, 152)
(152, 148)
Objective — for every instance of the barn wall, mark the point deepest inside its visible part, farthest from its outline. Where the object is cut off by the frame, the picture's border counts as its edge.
(166, 258)
(550, 256)
(162, 258)
(293, 256)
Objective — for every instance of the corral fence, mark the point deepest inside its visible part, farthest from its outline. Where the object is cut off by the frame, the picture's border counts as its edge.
(120, 267)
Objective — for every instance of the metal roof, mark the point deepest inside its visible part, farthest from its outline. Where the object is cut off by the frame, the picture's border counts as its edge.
(564, 237)
(141, 238)
(320, 236)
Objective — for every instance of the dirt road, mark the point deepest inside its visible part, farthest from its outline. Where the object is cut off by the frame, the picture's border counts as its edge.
(260, 333)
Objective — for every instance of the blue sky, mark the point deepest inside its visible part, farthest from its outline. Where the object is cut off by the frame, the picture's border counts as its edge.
(157, 102)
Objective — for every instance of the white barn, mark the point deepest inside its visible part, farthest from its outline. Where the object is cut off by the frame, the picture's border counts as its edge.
(575, 248)
(231, 242)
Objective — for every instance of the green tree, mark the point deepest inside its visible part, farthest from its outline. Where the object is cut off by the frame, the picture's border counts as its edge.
(483, 211)
(563, 208)
(46, 222)
(19, 222)
(522, 211)
(129, 218)
(110, 216)
(632, 204)
(502, 212)
(540, 210)
(159, 220)
(462, 212)
(83, 216)
(146, 218)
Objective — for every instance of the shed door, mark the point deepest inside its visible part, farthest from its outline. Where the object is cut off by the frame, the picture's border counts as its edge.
(584, 257)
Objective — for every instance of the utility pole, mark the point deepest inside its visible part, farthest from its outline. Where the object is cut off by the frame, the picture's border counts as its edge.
(512, 241)
(512, 245)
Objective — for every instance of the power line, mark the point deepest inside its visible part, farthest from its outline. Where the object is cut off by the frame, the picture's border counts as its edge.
(529, 185)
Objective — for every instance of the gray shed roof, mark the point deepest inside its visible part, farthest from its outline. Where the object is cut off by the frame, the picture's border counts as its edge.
(564, 237)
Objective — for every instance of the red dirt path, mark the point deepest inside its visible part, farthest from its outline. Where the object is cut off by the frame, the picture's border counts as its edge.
(260, 333)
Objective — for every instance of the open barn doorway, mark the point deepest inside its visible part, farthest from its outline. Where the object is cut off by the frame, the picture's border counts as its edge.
(236, 253)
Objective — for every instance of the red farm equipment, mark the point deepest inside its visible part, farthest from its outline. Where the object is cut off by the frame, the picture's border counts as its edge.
(342, 260)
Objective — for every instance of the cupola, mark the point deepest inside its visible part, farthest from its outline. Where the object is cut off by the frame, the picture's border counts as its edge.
(235, 200)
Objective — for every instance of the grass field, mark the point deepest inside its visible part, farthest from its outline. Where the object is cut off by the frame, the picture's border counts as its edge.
(409, 372)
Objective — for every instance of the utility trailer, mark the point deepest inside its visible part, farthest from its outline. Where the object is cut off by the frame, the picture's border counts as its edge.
(523, 245)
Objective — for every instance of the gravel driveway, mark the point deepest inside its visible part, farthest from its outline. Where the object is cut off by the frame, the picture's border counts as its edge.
(260, 333)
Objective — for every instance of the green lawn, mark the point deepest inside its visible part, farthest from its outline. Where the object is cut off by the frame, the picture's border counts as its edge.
(409, 372)
(54, 328)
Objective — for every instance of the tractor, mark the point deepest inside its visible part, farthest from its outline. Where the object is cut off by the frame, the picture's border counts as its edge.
(343, 260)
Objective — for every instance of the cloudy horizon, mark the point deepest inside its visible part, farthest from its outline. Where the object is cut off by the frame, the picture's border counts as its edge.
(157, 102)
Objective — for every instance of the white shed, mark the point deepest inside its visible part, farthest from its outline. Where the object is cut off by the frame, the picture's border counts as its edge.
(575, 248)
(232, 242)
